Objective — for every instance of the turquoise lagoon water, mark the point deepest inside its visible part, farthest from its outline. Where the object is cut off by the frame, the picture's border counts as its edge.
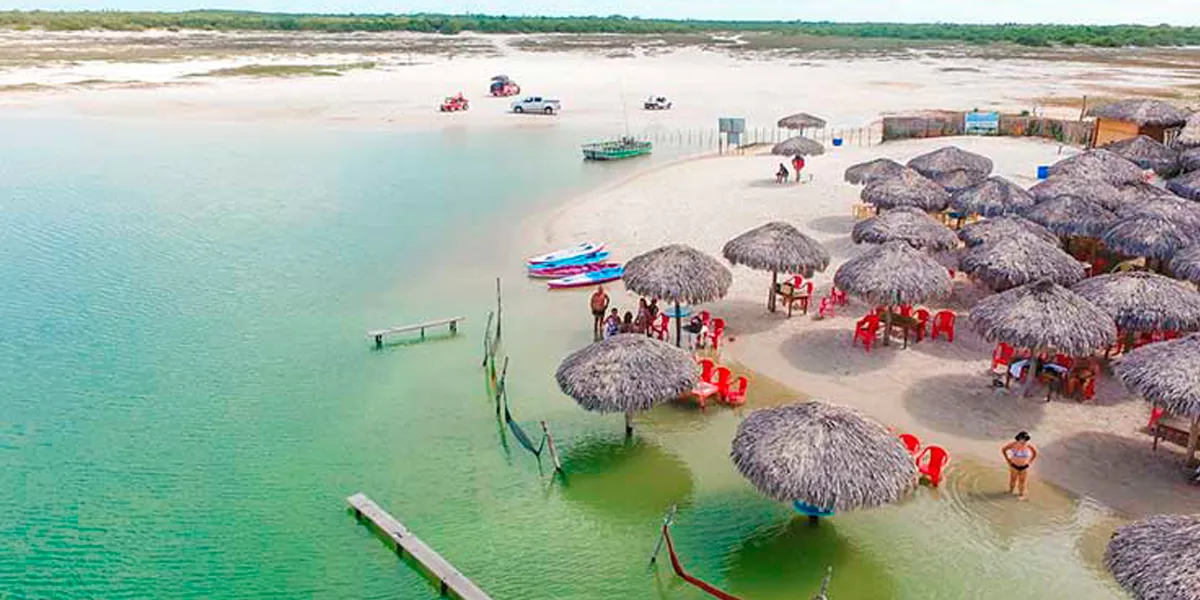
(188, 396)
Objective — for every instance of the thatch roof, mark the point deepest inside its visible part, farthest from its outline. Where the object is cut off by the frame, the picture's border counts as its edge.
(1186, 264)
(948, 159)
(1136, 194)
(1101, 192)
(824, 455)
(992, 197)
(1156, 558)
(1006, 264)
(1147, 153)
(798, 145)
(1189, 160)
(1043, 315)
(956, 181)
(801, 120)
(677, 273)
(1142, 111)
(1143, 301)
(1186, 185)
(626, 373)
(1174, 208)
(1190, 136)
(910, 225)
(1071, 215)
(1099, 164)
(908, 188)
(1006, 227)
(893, 273)
(1148, 236)
(1165, 373)
(873, 169)
(777, 247)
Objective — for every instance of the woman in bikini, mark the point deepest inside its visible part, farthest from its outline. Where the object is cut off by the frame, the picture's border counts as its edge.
(1019, 454)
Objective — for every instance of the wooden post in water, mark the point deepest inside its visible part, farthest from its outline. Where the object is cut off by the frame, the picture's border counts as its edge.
(667, 518)
(499, 309)
(487, 340)
(551, 448)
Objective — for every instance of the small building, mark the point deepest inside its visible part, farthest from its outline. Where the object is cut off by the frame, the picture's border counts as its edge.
(1128, 119)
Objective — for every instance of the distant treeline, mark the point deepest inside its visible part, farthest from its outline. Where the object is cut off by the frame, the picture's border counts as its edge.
(1025, 35)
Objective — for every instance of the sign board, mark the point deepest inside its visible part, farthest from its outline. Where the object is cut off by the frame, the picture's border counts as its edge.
(731, 125)
(982, 123)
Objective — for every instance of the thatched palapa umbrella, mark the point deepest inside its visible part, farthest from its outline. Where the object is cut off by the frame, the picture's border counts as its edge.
(626, 373)
(778, 248)
(1186, 264)
(992, 197)
(893, 274)
(869, 171)
(1147, 153)
(1189, 160)
(1156, 558)
(678, 274)
(1137, 194)
(798, 146)
(1186, 185)
(1168, 375)
(1006, 227)
(1100, 165)
(1143, 302)
(1101, 192)
(910, 225)
(1006, 264)
(908, 188)
(801, 121)
(1071, 216)
(1189, 137)
(827, 457)
(1143, 111)
(956, 181)
(948, 159)
(1148, 236)
(1172, 208)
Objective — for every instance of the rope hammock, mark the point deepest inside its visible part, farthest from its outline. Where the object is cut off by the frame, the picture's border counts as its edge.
(703, 585)
(520, 433)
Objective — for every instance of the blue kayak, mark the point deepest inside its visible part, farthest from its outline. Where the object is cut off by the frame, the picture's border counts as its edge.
(585, 259)
(585, 279)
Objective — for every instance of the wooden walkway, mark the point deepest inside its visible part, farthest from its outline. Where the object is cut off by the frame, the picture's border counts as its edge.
(378, 334)
(449, 579)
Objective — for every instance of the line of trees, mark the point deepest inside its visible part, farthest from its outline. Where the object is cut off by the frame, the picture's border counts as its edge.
(1025, 35)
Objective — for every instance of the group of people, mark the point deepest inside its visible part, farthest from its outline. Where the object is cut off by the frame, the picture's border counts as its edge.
(781, 176)
(607, 321)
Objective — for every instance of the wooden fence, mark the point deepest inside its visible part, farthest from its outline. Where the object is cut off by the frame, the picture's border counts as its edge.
(942, 124)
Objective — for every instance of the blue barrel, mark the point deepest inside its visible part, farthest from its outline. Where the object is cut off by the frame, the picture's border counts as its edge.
(837, 141)
(1043, 171)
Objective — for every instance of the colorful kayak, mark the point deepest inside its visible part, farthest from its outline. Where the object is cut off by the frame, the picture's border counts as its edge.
(567, 253)
(586, 259)
(569, 270)
(586, 279)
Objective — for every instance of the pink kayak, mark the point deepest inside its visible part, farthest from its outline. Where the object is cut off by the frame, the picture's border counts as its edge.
(569, 270)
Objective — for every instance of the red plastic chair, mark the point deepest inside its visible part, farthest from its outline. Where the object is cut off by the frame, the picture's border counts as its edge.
(912, 442)
(1171, 335)
(880, 310)
(718, 329)
(1002, 356)
(906, 310)
(705, 317)
(662, 328)
(797, 281)
(706, 369)
(722, 379)
(839, 297)
(931, 462)
(943, 322)
(1156, 413)
(866, 330)
(922, 322)
(1089, 389)
(736, 396)
(1063, 361)
(825, 310)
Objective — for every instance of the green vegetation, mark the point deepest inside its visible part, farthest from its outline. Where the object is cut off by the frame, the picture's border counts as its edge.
(286, 70)
(1025, 35)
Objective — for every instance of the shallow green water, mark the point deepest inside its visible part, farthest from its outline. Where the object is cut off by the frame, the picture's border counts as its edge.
(188, 395)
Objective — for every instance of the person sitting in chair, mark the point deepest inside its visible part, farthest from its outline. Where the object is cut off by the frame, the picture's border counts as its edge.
(781, 176)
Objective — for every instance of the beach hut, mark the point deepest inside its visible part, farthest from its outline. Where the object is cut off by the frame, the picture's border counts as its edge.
(1006, 264)
(1143, 302)
(798, 146)
(823, 458)
(1005, 227)
(801, 121)
(1149, 236)
(779, 248)
(1071, 216)
(1172, 208)
(1156, 558)
(626, 373)
(1165, 373)
(1148, 153)
(1100, 165)
(1134, 195)
(893, 274)
(1186, 264)
(1099, 191)
(679, 274)
(910, 225)
(992, 197)
(869, 171)
(949, 159)
(909, 188)
(1186, 185)
(956, 181)
(1189, 160)
(1189, 136)
(1133, 117)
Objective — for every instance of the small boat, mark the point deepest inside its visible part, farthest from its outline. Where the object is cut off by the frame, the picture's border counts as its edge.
(586, 279)
(574, 251)
(625, 147)
(569, 270)
(586, 259)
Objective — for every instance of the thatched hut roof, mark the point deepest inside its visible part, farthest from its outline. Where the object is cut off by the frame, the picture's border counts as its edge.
(1099, 164)
(1184, 212)
(910, 225)
(678, 273)
(1156, 558)
(1189, 160)
(909, 188)
(1071, 215)
(798, 145)
(1143, 111)
(626, 373)
(873, 169)
(1165, 373)
(956, 181)
(1190, 136)
(1186, 264)
(1006, 264)
(1143, 301)
(1005, 227)
(948, 159)
(824, 455)
(1043, 315)
(777, 247)
(801, 120)
(1147, 153)
(893, 273)
(1186, 185)
(1136, 194)
(1101, 192)
(1148, 236)
(992, 197)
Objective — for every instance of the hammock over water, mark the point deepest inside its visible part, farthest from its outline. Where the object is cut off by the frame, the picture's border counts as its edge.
(519, 433)
(707, 587)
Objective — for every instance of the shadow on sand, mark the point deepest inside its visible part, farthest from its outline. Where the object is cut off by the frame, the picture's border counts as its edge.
(967, 405)
(828, 351)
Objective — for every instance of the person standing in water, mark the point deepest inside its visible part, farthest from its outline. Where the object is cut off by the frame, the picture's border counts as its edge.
(1019, 454)
(599, 304)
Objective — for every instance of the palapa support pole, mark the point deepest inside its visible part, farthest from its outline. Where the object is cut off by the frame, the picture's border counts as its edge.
(1193, 441)
(771, 294)
(678, 326)
(550, 446)
(667, 519)
(628, 423)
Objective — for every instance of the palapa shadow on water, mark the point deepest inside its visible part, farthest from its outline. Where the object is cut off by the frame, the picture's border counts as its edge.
(630, 479)
(984, 412)
(836, 224)
(829, 352)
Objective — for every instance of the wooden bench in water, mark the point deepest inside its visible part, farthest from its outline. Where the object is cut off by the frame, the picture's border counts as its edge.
(378, 334)
(449, 579)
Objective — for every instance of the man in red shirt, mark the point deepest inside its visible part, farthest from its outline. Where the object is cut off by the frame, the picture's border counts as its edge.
(797, 165)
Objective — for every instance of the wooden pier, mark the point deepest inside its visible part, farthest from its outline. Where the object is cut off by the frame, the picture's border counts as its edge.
(378, 334)
(449, 579)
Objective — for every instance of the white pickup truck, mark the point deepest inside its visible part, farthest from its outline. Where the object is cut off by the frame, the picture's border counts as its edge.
(537, 104)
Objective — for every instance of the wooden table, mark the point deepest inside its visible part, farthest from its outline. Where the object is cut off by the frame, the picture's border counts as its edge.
(790, 295)
(906, 324)
(1173, 429)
